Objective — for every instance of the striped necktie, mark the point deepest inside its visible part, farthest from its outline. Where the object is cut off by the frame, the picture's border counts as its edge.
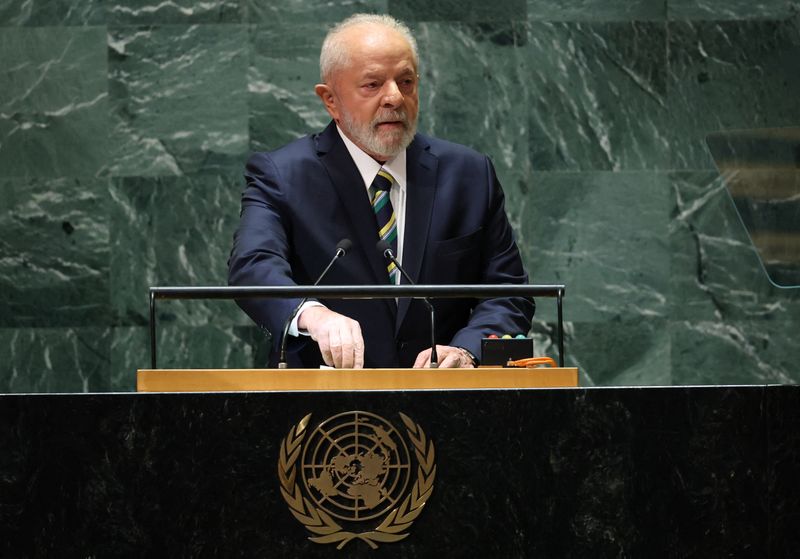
(384, 215)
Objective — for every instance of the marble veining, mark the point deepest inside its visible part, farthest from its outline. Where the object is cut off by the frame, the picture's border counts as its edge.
(53, 102)
(165, 84)
(191, 250)
(54, 252)
(125, 126)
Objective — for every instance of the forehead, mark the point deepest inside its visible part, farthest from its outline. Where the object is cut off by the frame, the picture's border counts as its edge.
(375, 48)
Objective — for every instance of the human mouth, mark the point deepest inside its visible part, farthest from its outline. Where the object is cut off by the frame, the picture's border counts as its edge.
(391, 119)
(391, 124)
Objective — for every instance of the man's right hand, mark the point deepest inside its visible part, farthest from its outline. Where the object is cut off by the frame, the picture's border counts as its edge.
(339, 337)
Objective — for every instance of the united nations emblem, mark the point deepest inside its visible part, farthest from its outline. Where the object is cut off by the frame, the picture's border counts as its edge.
(355, 469)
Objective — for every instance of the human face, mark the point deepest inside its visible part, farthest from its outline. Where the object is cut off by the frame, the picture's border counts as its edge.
(373, 96)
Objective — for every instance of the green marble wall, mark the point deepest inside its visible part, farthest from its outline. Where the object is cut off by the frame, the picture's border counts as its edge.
(124, 128)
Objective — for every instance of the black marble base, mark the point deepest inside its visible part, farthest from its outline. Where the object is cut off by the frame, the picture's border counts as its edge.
(635, 472)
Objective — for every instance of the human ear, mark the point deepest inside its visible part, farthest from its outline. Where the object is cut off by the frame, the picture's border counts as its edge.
(325, 93)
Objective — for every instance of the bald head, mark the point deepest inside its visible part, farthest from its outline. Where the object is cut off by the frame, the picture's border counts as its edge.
(337, 46)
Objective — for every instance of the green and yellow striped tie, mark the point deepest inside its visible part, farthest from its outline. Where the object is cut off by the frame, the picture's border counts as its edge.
(384, 215)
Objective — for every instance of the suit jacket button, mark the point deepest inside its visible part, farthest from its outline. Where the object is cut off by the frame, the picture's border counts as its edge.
(402, 345)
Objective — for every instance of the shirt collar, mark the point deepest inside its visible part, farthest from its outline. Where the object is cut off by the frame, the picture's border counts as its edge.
(368, 167)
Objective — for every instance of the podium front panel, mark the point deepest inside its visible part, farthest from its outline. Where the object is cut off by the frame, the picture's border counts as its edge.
(637, 472)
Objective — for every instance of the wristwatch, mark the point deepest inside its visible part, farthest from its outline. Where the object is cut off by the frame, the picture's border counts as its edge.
(469, 355)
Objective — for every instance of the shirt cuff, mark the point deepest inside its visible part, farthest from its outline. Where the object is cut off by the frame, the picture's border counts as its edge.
(293, 330)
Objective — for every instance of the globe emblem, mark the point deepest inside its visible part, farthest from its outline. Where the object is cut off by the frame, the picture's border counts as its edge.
(355, 466)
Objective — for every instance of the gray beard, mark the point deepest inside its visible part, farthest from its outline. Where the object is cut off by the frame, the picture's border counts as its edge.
(367, 139)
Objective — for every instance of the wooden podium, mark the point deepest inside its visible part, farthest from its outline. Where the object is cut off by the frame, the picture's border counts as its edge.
(226, 380)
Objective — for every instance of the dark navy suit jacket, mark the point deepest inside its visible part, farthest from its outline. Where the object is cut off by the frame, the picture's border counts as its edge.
(303, 198)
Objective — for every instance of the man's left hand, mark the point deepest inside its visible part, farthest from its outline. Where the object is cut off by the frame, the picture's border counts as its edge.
(449, 358)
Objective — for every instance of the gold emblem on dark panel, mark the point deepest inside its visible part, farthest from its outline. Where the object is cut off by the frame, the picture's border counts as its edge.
(353, 477)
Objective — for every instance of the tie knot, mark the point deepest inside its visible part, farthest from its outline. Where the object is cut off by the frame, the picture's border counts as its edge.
(383, 180)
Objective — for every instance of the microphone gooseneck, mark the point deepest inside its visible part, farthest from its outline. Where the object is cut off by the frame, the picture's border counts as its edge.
(341, 249)
(385, 249)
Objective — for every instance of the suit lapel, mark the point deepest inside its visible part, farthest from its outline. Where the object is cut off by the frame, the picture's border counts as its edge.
(349, 186)
(421, 167)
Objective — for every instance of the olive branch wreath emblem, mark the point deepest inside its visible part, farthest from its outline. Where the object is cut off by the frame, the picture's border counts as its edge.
(394, 525)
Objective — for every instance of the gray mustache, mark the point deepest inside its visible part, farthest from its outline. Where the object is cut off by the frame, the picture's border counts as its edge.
(391, 117)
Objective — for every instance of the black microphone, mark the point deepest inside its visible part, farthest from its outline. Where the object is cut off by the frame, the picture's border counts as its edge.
(386, 249)
(341, 249)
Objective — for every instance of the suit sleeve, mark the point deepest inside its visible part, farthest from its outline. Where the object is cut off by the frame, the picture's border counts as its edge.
(261, 246)
(502, 264)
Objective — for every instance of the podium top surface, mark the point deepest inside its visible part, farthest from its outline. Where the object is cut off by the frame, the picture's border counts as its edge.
(225, 380)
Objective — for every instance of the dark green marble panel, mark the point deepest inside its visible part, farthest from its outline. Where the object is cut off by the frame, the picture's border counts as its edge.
(54, 360)
(106, 359)
(716, 273)
(51, 12)
(729, 75)
(649, 293)
(181, 346)
(717, 10)
(598, 95)
(309, 11)
(54, 258)
(476, 95)
(597, 10)
(458, 10)
(632, 352)
(130, 351)
(735, 352)
(172, 231)
(179, 99)
(53, 102)
(133, 12)
(283, 71)
(605, 236)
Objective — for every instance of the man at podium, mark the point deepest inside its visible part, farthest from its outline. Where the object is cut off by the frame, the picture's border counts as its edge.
(370, 178)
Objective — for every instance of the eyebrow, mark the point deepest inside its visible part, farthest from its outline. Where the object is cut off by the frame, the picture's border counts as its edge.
(372, 74)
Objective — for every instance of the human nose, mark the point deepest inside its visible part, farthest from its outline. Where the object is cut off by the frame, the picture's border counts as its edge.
(392, 96)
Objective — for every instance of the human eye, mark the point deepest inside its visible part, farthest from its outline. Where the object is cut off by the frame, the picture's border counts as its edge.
(408, 83)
